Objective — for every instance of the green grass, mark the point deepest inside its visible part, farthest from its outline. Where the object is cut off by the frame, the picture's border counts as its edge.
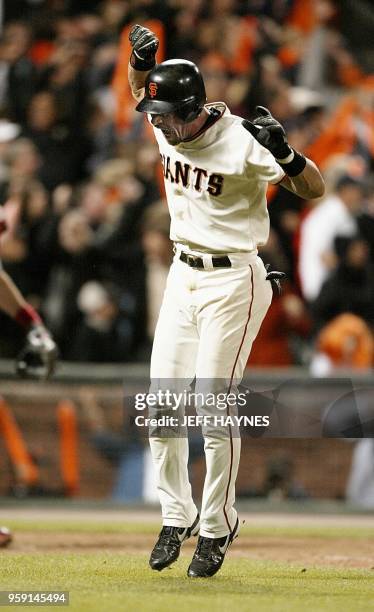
(106, 582)
(103, 582)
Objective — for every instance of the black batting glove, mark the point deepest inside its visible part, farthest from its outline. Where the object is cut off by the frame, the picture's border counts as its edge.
(271, 135)
(269, 132)
(275, 278)
(144, 48)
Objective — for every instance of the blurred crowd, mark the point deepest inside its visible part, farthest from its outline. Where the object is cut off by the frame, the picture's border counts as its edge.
(81, 185)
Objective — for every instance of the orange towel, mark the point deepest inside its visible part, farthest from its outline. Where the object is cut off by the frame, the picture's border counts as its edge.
(68, 428)
(25, 469)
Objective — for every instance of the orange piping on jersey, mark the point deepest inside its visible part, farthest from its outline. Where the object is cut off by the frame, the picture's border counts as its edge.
(229, 390)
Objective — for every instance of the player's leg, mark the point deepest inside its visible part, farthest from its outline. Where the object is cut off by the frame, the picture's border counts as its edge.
(173, 364)
(228, 324)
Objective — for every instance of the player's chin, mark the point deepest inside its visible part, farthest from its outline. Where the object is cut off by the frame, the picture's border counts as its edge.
(172, 139)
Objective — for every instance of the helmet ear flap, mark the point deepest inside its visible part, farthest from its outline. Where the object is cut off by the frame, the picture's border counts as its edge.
(190, 110)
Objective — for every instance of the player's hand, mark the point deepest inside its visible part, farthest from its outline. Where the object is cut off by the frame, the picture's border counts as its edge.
(275, 278)
(269, 132)
(144, 48)
(39, 356)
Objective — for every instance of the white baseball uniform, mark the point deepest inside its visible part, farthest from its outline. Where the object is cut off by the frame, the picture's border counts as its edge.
(216, 191)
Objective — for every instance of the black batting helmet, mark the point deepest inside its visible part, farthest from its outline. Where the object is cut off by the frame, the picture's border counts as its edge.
(174, 86)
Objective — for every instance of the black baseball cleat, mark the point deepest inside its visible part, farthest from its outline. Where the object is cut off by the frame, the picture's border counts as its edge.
(168, 545)
(210, 553)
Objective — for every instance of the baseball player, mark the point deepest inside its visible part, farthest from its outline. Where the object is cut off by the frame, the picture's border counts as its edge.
(216, 168)
(38, 357)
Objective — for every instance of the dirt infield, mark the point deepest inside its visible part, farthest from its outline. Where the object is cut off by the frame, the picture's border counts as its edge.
(342, 552)
(150, 516)
(290, 547)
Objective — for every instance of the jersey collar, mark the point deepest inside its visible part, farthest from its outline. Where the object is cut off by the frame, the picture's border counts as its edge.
(220, 109)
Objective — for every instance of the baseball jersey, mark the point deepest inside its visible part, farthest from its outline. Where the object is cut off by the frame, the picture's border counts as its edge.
(216, 186)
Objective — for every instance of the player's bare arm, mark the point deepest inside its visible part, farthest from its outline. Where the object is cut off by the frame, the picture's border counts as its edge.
(302, 176)
(38, 357)
(143, 58)
(136, 80)
(11, 300)
(308, 184)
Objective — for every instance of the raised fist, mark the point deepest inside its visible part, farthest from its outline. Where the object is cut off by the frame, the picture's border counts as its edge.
(144, 48)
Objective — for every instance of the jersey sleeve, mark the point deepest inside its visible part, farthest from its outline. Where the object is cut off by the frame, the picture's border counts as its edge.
(261, 164)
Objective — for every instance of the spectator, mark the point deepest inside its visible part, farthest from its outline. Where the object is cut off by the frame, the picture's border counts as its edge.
(64, 75)
(16, 70)
(73, 264)
(106, 333)
(333, 217)
(8, 132)
(347, 343)
(62, 152)
(284, 332)
(23, 162)
(350, 288)
(23, 249)
(366, 221)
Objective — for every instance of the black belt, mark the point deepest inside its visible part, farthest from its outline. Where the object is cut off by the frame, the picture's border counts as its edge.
(194, 261)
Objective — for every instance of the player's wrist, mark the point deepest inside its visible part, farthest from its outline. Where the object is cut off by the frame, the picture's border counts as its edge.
(281, 151)
(140, 63)
(27, 317)
(293, 164)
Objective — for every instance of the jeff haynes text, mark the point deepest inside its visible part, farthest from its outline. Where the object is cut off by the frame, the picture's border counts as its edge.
(203, 420)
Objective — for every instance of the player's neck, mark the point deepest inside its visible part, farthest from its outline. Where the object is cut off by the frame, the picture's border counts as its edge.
(197, 124)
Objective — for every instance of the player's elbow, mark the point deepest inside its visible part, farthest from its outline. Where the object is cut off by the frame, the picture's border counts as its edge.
(318, 190)
(314, 187)
(321, 190)
(3, 276)
(138, 94)
(316, 183)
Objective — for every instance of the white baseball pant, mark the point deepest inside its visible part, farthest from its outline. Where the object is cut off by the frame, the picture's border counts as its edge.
(208, 321)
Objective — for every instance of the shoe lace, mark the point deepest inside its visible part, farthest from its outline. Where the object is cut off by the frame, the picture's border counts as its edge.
(204, 546)
(168, 535)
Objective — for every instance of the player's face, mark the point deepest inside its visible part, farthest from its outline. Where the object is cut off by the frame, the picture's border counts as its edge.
(173, 128)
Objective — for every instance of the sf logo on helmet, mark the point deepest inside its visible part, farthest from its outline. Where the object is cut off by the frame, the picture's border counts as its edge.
(153, 89)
